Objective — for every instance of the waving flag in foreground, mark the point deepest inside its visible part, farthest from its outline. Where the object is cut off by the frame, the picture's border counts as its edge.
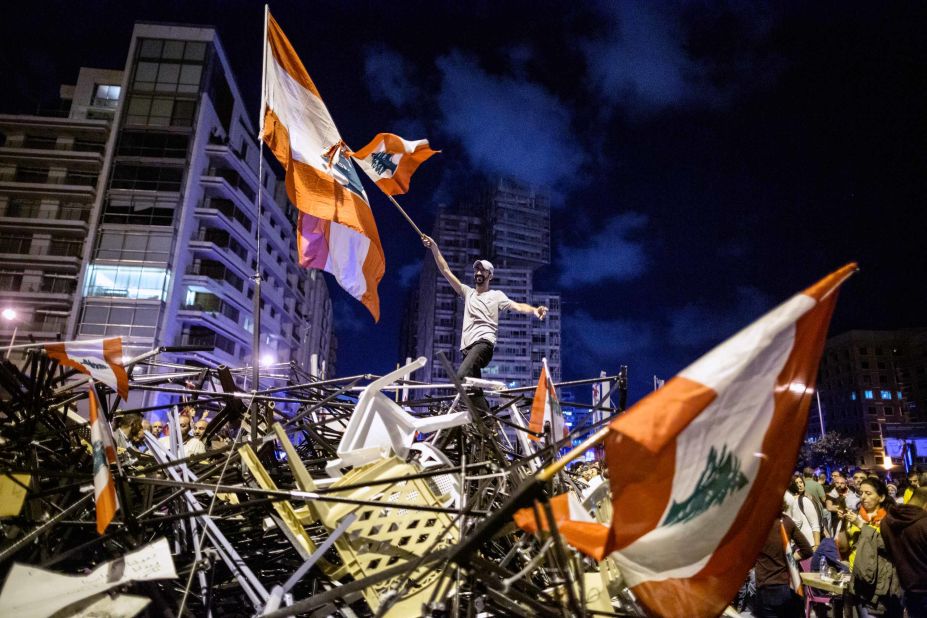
(104, 491)
(699, 467)
(336, 231)
(545, 408)
(100, 359)
(390, 161)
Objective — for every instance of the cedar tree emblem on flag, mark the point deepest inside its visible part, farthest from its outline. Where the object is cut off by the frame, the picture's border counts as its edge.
(390, 161)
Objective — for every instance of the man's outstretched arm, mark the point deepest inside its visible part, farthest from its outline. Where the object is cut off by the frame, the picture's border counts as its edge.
(443, 268)
(538, 312)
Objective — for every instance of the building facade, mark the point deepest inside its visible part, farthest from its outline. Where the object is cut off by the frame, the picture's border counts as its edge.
(168, 247)
(872, 384)
(51, 164)
(508, 223)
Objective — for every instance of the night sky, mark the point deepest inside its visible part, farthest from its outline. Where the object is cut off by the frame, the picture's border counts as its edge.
(706, 160)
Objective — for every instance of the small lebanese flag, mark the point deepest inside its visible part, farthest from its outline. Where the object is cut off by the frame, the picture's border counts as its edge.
(336, 231)
(390, 161)
(104, 490)
(706, 459)
(100, 359)
(545, 408)
(571, 519)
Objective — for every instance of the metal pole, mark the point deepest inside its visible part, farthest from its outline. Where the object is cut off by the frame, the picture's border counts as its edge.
(256, 310)
(12, 341)
(817, 393)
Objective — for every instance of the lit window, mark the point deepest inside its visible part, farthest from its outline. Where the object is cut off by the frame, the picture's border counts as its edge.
(887, 395)
(853, 396)
(106, 95)
(867, 394)
(898, 394)
(135, 282)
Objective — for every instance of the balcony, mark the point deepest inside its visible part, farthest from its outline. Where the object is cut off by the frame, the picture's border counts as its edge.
(217, 272)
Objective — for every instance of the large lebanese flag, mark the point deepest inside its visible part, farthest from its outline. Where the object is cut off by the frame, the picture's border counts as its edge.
(390, 161)
(698, 468)
(336, 231)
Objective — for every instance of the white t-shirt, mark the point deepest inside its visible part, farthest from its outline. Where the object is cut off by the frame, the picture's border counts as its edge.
(481, 314)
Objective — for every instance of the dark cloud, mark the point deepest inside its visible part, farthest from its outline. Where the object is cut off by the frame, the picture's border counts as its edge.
(657, 55)
(389, 77)
(699, 325)
(508, 126)
(611, 254)
(640, 61)
(408, 273)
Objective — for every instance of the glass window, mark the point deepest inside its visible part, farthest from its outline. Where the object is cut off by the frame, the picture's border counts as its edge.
(852, 395)
(886, 395)
(134, 209)
(136, 282)
(867, 394)
(898, 394)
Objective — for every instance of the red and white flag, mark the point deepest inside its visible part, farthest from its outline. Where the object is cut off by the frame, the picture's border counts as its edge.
(336, 231)
(570, 517)
(390, 161)
(104, 490)
(100, 359)
(545, 408)
(699, 467)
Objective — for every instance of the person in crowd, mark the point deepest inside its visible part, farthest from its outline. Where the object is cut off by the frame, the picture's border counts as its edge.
(199, 428)
(904, 530)
(913, 483)
(774, 595)
(856, 478)
(809, 509)
(893, 493)
(874, 588)
(813, 489)
(841, 490)
(822, 481)
(592, 478)
(128, 428)
(157, 428)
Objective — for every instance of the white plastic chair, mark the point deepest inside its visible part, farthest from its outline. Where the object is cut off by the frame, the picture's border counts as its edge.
(380, 426)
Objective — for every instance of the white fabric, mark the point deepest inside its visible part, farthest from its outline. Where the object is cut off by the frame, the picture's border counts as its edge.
(481, 314)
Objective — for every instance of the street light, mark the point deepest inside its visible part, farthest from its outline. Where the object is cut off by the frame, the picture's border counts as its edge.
(9, 315)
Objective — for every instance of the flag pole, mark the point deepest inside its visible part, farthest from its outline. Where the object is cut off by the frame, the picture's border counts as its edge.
(550, 471)
(256, 309)
(403, 213)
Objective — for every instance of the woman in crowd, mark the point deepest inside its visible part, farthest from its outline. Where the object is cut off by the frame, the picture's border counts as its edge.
(874, 587)
(811, 525)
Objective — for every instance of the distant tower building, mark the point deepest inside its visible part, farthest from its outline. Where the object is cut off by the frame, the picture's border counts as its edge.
(508, 224)
(163, 247)
(50, 166)
(872, 384)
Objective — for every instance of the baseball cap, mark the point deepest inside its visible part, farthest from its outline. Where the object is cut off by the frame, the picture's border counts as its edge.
(485, 264)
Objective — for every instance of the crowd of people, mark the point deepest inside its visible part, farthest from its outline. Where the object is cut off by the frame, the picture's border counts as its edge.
(858, 524)
(129, 433)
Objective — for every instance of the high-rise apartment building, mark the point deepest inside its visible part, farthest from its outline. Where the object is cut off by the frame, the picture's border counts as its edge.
(168, 236)
(50, 167)
(509, 224)
(871, 380)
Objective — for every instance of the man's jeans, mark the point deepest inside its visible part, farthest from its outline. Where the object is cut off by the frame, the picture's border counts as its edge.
(476, 356)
